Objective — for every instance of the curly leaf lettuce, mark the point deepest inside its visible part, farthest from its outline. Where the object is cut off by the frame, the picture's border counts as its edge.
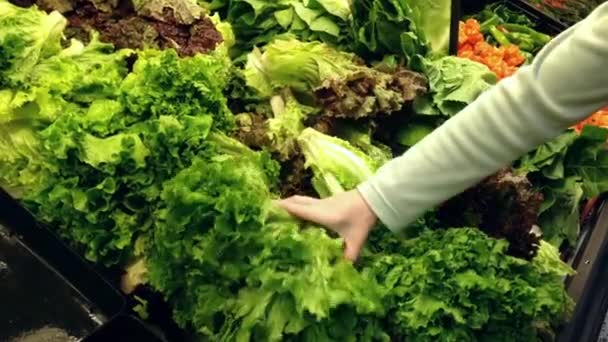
(26, 37)
(341, 85)
(222, 249)
(458, 284)
(101, 161)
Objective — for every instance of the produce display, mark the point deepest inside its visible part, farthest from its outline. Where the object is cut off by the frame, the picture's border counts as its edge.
(568, 12)
(156, 136)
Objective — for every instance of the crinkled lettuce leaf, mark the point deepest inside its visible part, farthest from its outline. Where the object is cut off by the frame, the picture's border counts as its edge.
(454, 83)
(222, 249)
(458, 284)
(341, 85)
(26, 37)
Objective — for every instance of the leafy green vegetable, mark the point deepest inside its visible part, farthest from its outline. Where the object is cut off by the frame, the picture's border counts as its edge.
(548, 261)
(560, 215)
(342, 86)
(184, 12)
(413, 133)
(361, 138)
(549, 157)
(457, 284)
(88, 144)
(25, 38)
(223, 250)
(388, 27)
(286, 124)
(568, 170)
(435, 22)
(454, 83)
(260, 22)
(131, 156)
(504, 205)
(336, 164)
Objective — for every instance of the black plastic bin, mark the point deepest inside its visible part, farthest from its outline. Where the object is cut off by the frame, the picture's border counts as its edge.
(46, 289)
(124, 328)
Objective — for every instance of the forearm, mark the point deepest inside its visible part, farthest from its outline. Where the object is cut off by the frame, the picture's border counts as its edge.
(564, 85)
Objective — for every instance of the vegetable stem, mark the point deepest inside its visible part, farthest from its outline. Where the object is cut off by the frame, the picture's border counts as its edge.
(500, 37)
(540, 38)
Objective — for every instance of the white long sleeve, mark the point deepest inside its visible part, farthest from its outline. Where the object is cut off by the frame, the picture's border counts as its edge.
(567, 82)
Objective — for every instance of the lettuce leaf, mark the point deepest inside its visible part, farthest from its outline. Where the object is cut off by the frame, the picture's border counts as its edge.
(27, 36)
(454, 83)
(458, 284)
(339, 83)
(223, 249)
(568, 170)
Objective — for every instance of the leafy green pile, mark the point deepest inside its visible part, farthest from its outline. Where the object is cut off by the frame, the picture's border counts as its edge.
(139, 24)
(236, 267)
(87, 143)
(568, 169)
(342, 86)
(259, 22)
(372, 28)
(222, 249)
(458, 285)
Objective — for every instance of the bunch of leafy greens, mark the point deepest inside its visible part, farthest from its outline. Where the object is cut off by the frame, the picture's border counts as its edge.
(238, 268)
(260, 22)
(458, 284)
(454, 83)
(26, 37)
(400, 27)
(139, 24)
(504, 206)
(87, 144)
(568, 169)
(129, 154)
(507, 298)
(341, 85)
(75, 78)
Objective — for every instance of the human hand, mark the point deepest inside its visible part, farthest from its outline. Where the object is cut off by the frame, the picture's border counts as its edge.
(346, 214)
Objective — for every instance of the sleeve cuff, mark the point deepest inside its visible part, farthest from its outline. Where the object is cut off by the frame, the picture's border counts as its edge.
(380, 206)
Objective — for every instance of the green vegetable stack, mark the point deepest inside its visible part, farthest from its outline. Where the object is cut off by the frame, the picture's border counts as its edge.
(507, 27)
(165, 156)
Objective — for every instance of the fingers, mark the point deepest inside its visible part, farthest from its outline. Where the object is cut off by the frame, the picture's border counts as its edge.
(330, 214)
(355, 240)
(305, 210)
(301, 200)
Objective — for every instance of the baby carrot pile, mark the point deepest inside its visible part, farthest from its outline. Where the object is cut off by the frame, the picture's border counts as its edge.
(503, 60)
